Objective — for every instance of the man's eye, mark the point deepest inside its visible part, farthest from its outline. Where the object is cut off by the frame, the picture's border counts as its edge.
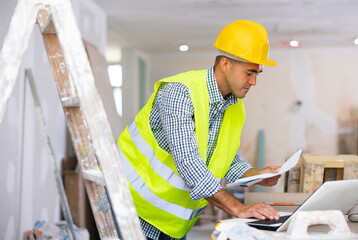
(249, 74)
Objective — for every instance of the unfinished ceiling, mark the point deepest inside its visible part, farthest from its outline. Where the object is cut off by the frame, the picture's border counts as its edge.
(162, 25)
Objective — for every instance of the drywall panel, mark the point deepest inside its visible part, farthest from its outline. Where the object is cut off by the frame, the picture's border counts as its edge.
(10, 160)
(105, 90)
(10, 146)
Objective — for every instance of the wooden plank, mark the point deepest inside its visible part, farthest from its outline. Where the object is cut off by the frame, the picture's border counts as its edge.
(330, 161)
(293, 177)
(303, 162)
(311, 176)
(293, 180)
(350, 171)
(340, 172)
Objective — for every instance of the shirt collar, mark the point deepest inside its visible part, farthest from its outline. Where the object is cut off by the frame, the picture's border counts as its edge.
(213, 89)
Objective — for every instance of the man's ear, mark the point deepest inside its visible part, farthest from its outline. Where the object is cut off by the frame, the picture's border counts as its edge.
(225, 64)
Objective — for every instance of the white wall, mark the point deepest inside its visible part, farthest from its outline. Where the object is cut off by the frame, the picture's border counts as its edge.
(29, 190)
(323, 79)
(165, 65)
(130, 85)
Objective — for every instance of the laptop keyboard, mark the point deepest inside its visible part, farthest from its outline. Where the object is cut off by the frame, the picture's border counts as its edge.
(268, 224)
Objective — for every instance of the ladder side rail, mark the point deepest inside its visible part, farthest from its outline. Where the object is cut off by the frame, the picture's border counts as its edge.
(101, 212)
(78, 130)
(96, 119)
(15, 44)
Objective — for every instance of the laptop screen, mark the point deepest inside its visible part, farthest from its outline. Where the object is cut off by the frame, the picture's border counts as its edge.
(329, 197)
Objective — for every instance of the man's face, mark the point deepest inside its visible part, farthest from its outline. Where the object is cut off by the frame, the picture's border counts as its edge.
(241, 77)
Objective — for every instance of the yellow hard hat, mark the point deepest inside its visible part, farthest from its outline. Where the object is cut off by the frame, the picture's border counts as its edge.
(247, 40)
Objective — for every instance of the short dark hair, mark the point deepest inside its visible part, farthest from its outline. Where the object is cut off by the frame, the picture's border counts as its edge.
(219, 57)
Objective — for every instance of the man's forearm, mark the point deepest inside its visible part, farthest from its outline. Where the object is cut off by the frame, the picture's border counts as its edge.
(226, 202)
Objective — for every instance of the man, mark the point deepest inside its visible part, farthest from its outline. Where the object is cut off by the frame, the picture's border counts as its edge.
(185, 139)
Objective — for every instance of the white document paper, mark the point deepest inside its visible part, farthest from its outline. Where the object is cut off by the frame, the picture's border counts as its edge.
(290, 163)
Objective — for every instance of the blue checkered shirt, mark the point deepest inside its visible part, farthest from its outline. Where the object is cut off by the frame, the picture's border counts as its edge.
(173, 124)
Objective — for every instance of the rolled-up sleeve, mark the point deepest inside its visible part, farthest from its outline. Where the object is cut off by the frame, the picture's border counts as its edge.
(237, 169)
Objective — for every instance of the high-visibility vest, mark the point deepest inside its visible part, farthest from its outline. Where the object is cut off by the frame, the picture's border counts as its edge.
(160, 195)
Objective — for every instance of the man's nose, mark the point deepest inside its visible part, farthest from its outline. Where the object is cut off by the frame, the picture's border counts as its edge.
(252, 80)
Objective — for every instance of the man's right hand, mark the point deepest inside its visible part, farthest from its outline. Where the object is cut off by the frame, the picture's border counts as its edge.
(229, 204)
(258, 210)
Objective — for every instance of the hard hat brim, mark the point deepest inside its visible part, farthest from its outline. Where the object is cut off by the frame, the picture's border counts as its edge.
(266, 62)
(269, 62)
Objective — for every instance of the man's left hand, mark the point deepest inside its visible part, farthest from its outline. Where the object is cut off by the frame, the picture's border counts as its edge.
(272, 181)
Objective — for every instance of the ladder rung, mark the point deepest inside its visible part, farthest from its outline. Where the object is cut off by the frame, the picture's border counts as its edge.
(70, 102)
(46, 24)
(94, 176)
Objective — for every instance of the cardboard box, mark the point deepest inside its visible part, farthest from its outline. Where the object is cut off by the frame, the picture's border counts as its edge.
(77, 198)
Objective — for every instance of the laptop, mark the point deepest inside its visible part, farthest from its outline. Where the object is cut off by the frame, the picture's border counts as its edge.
(329, 196)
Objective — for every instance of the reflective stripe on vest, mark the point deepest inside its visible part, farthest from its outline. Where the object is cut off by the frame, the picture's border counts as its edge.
(159, 168)
(139, 185)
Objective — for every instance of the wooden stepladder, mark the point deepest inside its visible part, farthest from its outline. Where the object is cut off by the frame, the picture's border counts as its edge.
(86, 119)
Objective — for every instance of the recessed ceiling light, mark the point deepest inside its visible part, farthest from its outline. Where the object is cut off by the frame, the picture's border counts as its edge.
(183, 48)
(356, 41)
(294, 43)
